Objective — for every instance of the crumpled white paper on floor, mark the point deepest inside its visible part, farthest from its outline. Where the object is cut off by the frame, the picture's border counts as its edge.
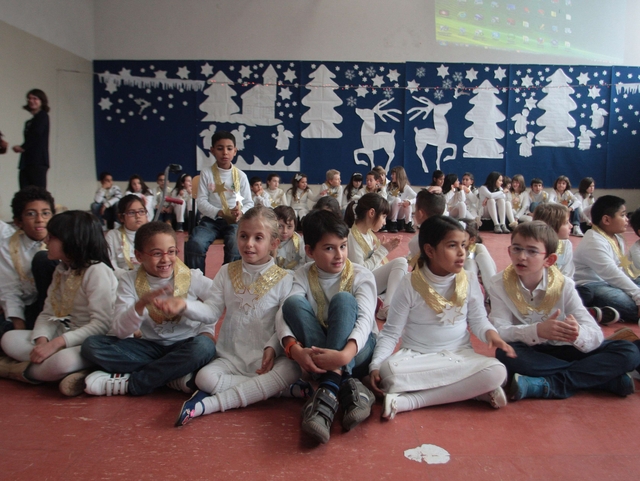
(428, 453)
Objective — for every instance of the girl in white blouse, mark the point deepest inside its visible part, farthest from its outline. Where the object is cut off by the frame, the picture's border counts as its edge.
(493, 203)
(430, 313)
(299, 196)
(401, 198)
(131, 215)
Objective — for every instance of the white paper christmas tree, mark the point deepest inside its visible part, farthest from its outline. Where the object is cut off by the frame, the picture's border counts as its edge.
(322, 101)
(484, 132)
(556, 120)
(219, 104)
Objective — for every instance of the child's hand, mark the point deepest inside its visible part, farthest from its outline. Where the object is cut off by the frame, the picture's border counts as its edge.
(236, 212)
(268, 358)
(390, 243)
(328, 359)
(149, 297)
(303, 356)
(555, 330)
(45, 349)
(171, 306)
(375, 378)
(494, 340)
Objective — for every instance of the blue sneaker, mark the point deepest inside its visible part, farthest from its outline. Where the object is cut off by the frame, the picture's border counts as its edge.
(528, 387)
(622, 385)
(188, 410)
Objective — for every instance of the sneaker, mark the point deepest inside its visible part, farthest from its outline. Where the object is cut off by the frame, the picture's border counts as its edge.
(392, 227)
(301, 389)
(497, 398)
(609, 315)
(179, 227)
(623, 334)
(100, 383)
(180, 384)
(188, 410)
(318, 413)
(528, 387)
(409, 228)
(577, 231)
(596, 313)
(497, 229)
(73, 384)
(356, 401)
(622, 385)
(390, 406)
(505, 229)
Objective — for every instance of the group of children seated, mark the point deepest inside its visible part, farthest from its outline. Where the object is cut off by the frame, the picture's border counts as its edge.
(122, 314)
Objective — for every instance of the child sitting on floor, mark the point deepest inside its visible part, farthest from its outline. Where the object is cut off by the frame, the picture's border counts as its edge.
(559, 347)
(332, 186)
(131, 215)
(431, 312)
(290, 253)
(557, 217)
(104, 205)
(327, 326)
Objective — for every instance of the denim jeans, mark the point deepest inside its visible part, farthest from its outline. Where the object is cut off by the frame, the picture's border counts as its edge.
(109, 216)
(195, 249)
(151, 364)
(569, 370)
(341, 319)
(600, 294)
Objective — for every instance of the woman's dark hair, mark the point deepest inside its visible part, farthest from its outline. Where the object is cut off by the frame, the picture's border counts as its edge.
(318, 223)
(449, 180)
(329, 203)
(83, 241)
(492, 178)
(357, 177)
(30, 193)
(295, 180)
(433, 231)
(145, 189)
(44, 101)
(358, 209)
(126, 201)
(436, 175)
(584, 185)
(180, 182)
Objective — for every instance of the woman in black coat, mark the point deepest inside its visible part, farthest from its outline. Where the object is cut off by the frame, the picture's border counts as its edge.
(34, 161)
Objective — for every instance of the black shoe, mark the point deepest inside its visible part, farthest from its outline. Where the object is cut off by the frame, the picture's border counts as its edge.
(392, 227)
(409, 228)
(318, 413)
(356, 401)
(401, 225)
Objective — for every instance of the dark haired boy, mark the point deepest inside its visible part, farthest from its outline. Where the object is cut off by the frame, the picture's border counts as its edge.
(290, 253)
(25, 274)
(606, 279)
(223, 196)
(429, 202)
(105, 202)
(537, 195)
(258, 194)
(536, 309)
(327, 326)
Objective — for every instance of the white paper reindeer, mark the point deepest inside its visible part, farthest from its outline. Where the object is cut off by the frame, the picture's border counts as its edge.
(372, 140)
(438, 135)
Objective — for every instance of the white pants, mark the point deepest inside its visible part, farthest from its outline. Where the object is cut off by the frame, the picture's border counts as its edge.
(18, 345)
(458, 211)
(495, 208)
(399, 211)
(389, 275)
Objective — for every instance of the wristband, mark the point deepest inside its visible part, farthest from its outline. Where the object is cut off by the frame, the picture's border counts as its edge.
(290, 344)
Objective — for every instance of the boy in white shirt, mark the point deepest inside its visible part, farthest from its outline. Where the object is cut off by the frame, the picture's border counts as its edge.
(327, 326)
(275, 193)
(428, 203)
(332, 186)
(105, 202)
(258, 194)
(560, 349)
(290, 253)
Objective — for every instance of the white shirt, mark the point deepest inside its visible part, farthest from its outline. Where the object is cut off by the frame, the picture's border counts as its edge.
(208, 199)
(263, 199)
(287, 251)
(364, 290)
(514, 327)
(108, 197)
(93, 306)
(277, 197)
(195, 320)
(424, 330)
(571, 201)
(335, 192)
(565, 260)
(371, 259)
(595, 261)
(525, 201)
(117, 254)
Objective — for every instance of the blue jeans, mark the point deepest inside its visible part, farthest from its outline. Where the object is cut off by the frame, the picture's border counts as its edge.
(569, 370)
(575, 216)
(600, 294)
(195, 249)
(109, 216)
(151, 364)
(341, 319)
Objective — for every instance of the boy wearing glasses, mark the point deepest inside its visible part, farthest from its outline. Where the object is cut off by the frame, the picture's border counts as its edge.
(20, 284)
(169, 349)
(537, 310)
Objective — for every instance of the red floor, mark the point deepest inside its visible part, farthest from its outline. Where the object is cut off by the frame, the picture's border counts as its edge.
(47, 436)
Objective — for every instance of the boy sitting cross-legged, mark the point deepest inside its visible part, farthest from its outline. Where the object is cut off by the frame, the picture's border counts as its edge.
(560, 348)
(327, 326)
(171, 348)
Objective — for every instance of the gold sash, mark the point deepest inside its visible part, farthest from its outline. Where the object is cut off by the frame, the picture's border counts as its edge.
(555, 284)
(126, 248)
(181, 284)
(14, 253)
(281, 261)
(62, 298)
(346, 285)
(625, 262)
(515, 201)
(221, 190)
(366, 248)
(395, 192)
(260, 286)
(434, 300)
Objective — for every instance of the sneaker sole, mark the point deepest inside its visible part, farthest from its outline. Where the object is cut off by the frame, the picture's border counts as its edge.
(355, 417)
(317, 431)
(73, 385)
(623, 334)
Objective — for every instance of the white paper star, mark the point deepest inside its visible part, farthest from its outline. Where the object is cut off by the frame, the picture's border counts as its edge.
(583, 78)
(472, 74)
(393, 75)
(206, 69)
(530, 103)
(377, 81)
(362, 91)
(443, 71)
(285, 93)
(527, 81)
(183, 72)
(111, 87)
(105, 104)
(594, 92)
(245, 71)
(125, 72)
(160, 73)
(499, 74)
(290, 75)
(413, 86)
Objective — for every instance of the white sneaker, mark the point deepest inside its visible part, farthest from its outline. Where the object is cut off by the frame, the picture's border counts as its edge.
(497, 398)
(100, 383)
(180, 384)
(577, 232)
(390, 406)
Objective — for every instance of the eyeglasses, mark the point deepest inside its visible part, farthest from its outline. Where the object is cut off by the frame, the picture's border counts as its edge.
(517, 250)
(133, 213)
(32, 214)
(158, 254)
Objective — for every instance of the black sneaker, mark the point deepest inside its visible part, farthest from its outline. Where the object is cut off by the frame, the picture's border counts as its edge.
(356, 401)
(318, 413)
(609, 315)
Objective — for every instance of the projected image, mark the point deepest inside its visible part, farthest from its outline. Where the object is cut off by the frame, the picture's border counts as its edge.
(582, 29)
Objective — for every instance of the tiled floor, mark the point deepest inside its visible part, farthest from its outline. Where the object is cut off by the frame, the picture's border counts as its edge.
(46, 436)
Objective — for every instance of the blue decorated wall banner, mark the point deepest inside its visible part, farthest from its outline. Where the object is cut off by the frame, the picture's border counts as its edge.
(537, 120)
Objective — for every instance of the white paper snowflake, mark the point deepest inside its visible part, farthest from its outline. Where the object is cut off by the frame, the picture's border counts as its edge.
(438, 94)
(599, 146)
(421, 72)
(371, 71)
(457, 77)
(625, 125)
(620, 118)
(602, 133)
(583, 115)
(630, 107)
(337, 68)
(634, 132)
(352, 101)
(615, 131)
(388, 93)
(578, 95)
(617, 110)
(381, 68)
(446, 84)
(617, 74)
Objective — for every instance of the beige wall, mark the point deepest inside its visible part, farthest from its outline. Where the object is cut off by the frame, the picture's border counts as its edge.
(28, 62)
